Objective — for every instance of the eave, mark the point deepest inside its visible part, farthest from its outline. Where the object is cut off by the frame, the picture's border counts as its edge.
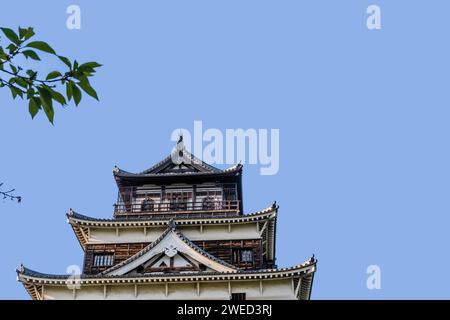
(266, 219)
(124, 178)
(303, 273)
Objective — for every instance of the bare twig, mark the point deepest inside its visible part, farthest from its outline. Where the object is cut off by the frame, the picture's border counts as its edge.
(9, 194)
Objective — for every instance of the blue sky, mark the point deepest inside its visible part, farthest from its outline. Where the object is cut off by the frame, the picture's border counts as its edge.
(363, 116)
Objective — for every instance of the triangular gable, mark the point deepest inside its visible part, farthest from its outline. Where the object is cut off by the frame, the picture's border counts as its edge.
(181, 160)
(181, 166)
(171, 250)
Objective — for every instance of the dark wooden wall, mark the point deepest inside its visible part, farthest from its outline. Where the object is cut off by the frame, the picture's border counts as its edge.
(222, 249)
(121, 251)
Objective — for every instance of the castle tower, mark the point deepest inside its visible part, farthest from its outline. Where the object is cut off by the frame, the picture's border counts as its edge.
(178, 232)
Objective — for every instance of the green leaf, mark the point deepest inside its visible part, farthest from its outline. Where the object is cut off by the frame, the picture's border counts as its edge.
(47, 103)
(41, 45)
(12, 47)
(29, 33)
(66, 61)
(13, 69)
(76, 93)
(16, 92)
(11, 35)
(31, 73)
(31, 54)
(91, 64)
(33, 106)
(3, 55)
(89, 67)
(80, 77)
(69, 91)
(88, 89)
(30, 93)
(20, 82)
(26, 33)
(53, 75)
(58, 97)
(86, 70)
(22, 32)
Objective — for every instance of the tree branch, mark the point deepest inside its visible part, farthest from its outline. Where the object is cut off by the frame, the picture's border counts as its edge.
(9, 194)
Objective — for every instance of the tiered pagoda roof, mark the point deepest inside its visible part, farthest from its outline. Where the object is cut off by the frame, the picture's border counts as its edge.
(155, 208)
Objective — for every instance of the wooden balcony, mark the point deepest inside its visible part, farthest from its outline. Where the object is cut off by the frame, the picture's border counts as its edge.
(185, 209)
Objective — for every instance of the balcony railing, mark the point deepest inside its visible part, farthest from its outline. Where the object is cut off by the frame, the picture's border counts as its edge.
(179, 208)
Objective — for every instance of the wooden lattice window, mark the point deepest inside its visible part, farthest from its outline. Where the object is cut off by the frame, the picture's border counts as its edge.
(103, 260)
(242, 256)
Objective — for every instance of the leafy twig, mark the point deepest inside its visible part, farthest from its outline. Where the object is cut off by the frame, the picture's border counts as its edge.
(41, 92)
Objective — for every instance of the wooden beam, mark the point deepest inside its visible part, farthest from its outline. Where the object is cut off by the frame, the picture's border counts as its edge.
(74, 293)
(135, 291)
(36, 290)
(145, 231)
(264, 228)
(229, 288)
(198, 288)
(86, 238)
(105, 291)
(117, 232)
(261, 288)
(229, 228)
(201, 228)
(167, 289)
(297, 290)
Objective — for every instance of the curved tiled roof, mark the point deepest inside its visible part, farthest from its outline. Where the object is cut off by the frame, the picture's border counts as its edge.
(77, 217)
(23, 271)
(202, 167)
(122, 173)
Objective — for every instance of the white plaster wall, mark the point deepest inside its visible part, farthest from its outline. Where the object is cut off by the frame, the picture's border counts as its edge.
(210, 232)
(272, 290)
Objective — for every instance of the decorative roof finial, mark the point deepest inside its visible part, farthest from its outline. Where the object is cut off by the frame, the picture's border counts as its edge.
(180, 139)
(116, 169)
(21, 268)
(274, 204)
(312, 259)
(171, 224)
(70, 212)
